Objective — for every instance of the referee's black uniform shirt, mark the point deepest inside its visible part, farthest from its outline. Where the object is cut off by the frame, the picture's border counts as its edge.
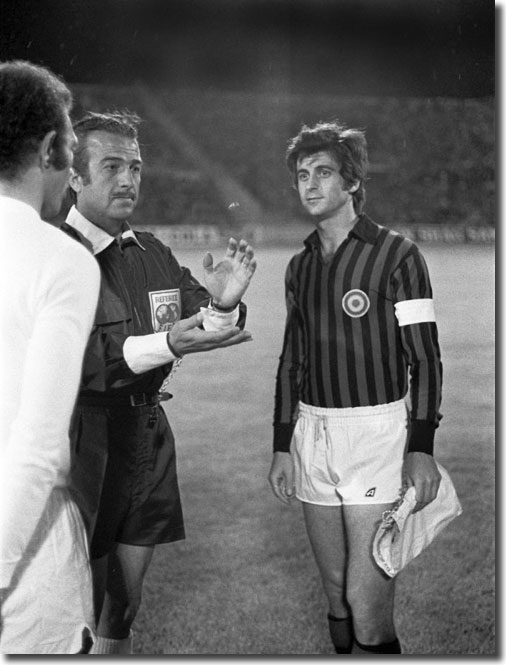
(344, 345)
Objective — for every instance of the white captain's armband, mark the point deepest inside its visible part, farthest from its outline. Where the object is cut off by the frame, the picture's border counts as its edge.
(419, 310)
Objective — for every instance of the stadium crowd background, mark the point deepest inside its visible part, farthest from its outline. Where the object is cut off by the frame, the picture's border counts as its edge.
(223, 85)
(432, 160)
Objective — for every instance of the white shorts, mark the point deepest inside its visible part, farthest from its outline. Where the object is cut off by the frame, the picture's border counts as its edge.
(349, 456)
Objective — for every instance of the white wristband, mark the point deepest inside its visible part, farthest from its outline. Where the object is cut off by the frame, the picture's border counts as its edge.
(215, 321)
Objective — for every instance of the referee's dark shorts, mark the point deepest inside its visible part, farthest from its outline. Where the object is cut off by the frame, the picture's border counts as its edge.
(124, 477)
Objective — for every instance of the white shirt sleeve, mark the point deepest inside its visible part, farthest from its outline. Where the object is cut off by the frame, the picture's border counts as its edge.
(36, 457)
(145, 352)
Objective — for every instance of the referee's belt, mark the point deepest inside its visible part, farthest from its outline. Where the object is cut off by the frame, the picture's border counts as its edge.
(138, 399)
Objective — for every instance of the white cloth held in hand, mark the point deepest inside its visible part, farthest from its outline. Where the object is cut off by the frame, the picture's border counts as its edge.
(403, 535)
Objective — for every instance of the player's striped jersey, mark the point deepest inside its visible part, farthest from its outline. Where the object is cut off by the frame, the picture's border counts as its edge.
(358, 327)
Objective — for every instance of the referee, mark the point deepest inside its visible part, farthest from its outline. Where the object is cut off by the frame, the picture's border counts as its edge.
(360, 331)
(151, 312)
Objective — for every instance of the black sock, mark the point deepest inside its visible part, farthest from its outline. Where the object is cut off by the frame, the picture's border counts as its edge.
(386, 647)
(341, 633)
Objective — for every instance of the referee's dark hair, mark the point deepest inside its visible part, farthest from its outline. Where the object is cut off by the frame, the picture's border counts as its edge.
(33, 102)
(124, 123)
(348, 146)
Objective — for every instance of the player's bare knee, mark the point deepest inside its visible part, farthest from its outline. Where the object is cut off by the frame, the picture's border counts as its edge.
(334, 586)
(365, 607)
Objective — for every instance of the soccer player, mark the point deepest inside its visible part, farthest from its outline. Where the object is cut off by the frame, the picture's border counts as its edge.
(48, 297)
(360, 326)
(149, 315)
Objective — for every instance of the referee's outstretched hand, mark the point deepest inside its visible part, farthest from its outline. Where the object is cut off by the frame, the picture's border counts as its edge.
(228, 280)
(187, 337)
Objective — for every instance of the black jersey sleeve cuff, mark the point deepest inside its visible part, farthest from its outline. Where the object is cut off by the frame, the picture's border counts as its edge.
(283, 437)
(421, 437)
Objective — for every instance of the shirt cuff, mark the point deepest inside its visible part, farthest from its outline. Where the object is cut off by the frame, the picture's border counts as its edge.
(421, 437)
(283, 437)
(145, 352)
(215, 321)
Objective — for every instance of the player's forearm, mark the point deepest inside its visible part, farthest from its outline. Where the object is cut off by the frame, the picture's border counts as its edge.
(425, 402)
(286, 401)
(282, 437)
(424, 358)
(421, 437)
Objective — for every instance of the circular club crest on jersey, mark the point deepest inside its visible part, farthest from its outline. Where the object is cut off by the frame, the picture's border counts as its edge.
(356, 303)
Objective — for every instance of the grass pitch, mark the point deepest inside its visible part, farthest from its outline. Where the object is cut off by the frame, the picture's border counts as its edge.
(244, 581)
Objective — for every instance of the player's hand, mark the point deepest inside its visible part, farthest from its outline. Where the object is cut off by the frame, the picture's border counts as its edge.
(228, 280)
(421, 471)
(281, 477)
(187, 337)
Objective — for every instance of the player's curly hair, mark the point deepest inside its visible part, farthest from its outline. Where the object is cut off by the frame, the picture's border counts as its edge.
(124, 123)
(33, 102)
(348, 146)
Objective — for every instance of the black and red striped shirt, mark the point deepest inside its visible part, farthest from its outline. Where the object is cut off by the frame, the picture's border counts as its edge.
(360, 327)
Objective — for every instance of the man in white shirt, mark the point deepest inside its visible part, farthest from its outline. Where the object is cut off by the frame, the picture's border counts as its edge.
(48, 298)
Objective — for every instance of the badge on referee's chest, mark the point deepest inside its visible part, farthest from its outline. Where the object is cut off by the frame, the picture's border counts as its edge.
(165, 309)
(356, 303)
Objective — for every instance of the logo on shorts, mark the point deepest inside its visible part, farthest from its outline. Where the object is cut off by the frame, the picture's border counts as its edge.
(356, 303)
(371, 492)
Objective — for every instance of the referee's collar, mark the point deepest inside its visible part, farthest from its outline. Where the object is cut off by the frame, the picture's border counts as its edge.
(96, 238)
(364, 229)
